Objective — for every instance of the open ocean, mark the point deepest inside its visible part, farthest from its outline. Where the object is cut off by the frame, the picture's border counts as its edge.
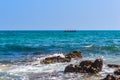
(21, 52)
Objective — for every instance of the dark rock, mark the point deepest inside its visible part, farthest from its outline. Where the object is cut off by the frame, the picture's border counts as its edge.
(86, 66)
(54, 59)
(117, 72)
(90, 66)
(97, 66)
(71, 68)
(116, 75)
(74, 54)
(113, 65)
(67, 58)
(111, 77)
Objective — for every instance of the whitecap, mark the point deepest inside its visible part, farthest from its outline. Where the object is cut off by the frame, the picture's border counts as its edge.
(88, 46)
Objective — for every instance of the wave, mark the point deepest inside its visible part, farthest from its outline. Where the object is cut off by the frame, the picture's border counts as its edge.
(19, 47)
(88, 46)
(112, 48)
(14, 49)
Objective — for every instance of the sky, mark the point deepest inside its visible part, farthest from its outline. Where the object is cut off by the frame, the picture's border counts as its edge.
(59, 14)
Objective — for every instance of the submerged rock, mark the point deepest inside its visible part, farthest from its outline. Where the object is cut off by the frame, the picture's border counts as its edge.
(87, 66)
(54, 59)
(74, 54)
(117, 72)
(115, 76)
(113, 65)
(111, 77)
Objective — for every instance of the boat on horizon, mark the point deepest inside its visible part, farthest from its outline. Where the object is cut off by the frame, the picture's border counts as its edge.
(69, 30)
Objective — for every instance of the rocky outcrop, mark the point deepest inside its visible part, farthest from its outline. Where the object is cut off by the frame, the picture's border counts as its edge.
(74, 54)
(67, 58)
(54, 59)
(87, 66)
(113, 65)
(111, 77)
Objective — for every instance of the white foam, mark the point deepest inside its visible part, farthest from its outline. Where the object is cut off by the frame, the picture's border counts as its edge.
(88, 46)
(57, 54)
(107, 70)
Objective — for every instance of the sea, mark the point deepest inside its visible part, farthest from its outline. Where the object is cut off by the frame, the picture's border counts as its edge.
(21, 52)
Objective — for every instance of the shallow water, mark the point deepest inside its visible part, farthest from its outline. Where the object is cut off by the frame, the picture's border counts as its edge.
(35, 71)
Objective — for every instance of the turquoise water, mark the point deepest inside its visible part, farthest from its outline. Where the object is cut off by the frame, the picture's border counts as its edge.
(19, 44)
(21, 52)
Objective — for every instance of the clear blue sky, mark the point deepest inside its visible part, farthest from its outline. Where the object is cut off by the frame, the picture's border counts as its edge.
(59, 14)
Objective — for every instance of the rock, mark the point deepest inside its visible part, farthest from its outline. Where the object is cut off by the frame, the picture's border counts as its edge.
(117, 72)
(97, 66)
(67, 58)
(70, 68)
(113, 65)
(111, 77)
(116, 75)
(90, 66)
(74, 54)
(54, 59)
(86, 66)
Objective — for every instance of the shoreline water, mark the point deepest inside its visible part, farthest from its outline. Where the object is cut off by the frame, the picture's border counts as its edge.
(36, 71)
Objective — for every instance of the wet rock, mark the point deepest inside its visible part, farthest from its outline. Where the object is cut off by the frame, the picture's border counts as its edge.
(86, 66)
(97, 66)
(54, 59)
(111, 77)
(70, 68)
(74, 54)
(116, 75)
(117, 72)
(113, 65)
(67, 58)
(90, 66)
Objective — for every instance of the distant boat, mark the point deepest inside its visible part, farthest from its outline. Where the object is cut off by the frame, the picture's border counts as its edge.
(69, 30)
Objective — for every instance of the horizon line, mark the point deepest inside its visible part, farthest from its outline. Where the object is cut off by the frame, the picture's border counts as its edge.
(63, 30)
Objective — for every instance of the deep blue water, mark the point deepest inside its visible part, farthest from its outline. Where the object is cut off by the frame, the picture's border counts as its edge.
(19, 44)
